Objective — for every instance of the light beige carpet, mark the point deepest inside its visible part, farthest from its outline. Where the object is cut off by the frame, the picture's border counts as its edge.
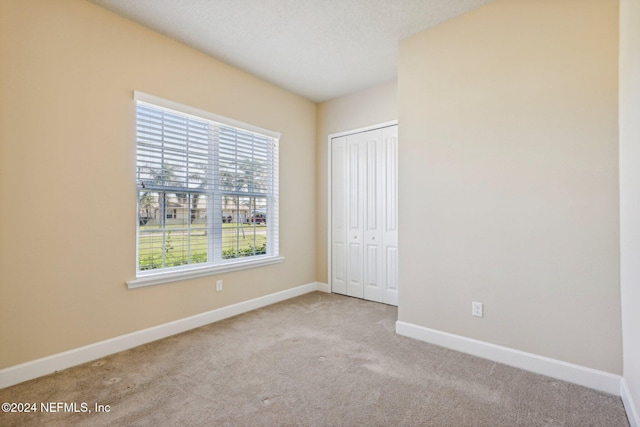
(316, 360)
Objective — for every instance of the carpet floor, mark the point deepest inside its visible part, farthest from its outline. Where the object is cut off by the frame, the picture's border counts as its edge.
(315, 360)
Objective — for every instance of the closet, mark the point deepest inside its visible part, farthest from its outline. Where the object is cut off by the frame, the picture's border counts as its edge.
(364, 215)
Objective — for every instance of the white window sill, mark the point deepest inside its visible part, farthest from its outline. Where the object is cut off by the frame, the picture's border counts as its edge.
(174, 276)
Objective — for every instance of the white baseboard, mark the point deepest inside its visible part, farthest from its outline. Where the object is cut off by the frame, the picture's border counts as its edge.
(323, 287)
(576, 374)
(629, 404)
(56, 362)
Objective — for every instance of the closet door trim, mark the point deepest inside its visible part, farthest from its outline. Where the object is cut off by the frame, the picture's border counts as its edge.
(329, 190)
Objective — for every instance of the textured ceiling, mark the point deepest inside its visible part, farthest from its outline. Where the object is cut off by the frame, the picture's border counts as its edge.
(320, 49)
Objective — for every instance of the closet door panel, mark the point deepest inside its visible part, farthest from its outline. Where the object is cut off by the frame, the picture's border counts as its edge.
(390, 232)
(338, 216)
(374, 216)
(356, 175)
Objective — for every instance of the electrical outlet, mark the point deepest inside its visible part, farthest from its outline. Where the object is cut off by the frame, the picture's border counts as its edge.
(219, 285)
(476, 309)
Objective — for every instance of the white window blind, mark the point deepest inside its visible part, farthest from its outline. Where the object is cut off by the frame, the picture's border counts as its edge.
(207, 189)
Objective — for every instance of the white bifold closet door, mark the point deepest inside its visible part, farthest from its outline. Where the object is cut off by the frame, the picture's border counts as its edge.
(364, 215)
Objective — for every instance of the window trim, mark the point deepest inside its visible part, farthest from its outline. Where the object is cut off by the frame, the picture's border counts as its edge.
(194, 272)
(167, 275)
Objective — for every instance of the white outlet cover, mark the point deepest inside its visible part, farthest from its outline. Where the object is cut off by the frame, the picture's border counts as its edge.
(476, 309)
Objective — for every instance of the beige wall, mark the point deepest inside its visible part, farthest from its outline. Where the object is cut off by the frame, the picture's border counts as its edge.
(67, 175)
(630, 191)
(372, 106)
(509, 181)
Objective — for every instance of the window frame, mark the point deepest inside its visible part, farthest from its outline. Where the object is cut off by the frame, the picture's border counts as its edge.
(211, 267)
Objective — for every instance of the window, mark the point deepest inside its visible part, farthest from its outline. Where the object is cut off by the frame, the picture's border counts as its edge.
(207, 193)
